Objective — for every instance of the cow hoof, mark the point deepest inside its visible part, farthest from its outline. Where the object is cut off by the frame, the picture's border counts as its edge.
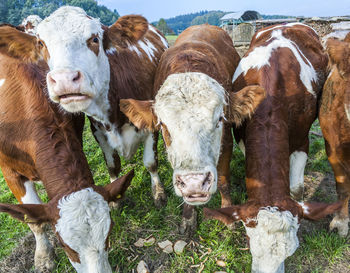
(159, 196)
(44, 264)
(114, 205)
(341, 225)
(188, 226)
(226, 203)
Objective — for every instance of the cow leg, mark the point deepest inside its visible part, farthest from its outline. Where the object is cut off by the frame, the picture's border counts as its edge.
(189, 220)
(111, 156)
(224, 166)
(150, 161)
(339, 162)
(297, 163)
(25, 193)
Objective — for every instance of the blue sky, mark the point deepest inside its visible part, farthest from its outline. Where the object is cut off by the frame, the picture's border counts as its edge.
(155, 9)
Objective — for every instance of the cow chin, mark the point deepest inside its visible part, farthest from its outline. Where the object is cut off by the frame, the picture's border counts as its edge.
(76, 104)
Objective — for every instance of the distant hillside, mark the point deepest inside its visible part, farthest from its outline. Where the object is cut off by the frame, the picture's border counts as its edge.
(212, 18)
(181, 22)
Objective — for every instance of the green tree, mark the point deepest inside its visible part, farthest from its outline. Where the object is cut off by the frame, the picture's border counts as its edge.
(163, 27)
(14, 11)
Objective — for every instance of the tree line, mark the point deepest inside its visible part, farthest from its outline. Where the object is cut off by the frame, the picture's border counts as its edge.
(14, 11)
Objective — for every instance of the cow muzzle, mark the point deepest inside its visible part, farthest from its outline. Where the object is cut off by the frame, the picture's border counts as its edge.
(195, 188)
(65, 88)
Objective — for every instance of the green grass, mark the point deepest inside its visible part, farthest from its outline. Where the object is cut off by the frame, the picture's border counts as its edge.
(137, 217)
(171, 39)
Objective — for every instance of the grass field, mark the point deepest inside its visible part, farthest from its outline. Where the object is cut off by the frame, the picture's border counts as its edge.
(137, 217)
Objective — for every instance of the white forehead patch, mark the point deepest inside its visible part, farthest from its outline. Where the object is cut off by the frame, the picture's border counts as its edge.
(68, 24)
(260, 57)
(190, 105)
(84, 222)
(273, 239)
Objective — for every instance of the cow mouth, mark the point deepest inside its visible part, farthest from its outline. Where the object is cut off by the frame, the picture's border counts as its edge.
(198, 198)
(73, 97)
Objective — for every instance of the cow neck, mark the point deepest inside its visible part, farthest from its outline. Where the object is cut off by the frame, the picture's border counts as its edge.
(130, 79)
(59, 158)
(267, 153)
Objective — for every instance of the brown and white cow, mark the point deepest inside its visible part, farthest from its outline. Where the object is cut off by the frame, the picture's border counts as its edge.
(92, 67)
(288, 62)
(334, 119)
(192, 85)
(38, 142)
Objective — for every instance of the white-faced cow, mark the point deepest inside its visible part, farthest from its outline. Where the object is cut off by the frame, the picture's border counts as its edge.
(39, 143)
(30, 23)
(288, 62)
(334, 119)
(192, 85)
(92, 67)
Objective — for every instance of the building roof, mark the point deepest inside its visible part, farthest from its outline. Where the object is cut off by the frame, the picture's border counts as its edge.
(248, 15)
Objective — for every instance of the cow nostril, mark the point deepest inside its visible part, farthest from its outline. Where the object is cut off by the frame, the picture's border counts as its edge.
(180, 182)
(207, 181)
(77, 77)
(51, 79)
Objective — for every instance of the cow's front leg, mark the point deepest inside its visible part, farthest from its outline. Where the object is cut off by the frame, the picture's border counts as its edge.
(189, 220)
(25, 192)
(150, 161)
(111, 156)
(224, 166)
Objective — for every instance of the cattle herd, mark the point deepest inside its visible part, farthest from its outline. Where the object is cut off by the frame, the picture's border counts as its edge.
(199, 95)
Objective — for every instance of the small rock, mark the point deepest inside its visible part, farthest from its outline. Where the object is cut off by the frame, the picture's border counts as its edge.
(164, 244)
(179, 246)
(142, 267)
(140, 242)
(149, 241)
(168, 249)
(221, 263)
(220, 272)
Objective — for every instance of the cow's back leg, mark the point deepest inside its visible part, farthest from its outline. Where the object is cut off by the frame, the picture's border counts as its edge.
(297, 163)
(224, 166)
(150, 161)
(25, 192)
(340, 162)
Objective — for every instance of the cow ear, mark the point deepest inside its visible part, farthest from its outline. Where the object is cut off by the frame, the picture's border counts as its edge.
(118, 187)
(127, 30)
(244, 102)
(20, 45)
(140, 113)
(316, 211)
(29, 213)
(225, 215)
(339, 54)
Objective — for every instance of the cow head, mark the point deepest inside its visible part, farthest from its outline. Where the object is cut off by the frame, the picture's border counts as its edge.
(76, 48)
(30, 24)
(81, 220)
(272, 231)
(189, 109)
(339, 55)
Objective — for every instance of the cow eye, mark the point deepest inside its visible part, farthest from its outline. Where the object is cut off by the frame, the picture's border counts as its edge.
(220, 120)
(40, 43)
(95, 40)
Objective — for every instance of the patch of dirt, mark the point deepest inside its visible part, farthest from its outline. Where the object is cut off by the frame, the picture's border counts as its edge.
(21, 260)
